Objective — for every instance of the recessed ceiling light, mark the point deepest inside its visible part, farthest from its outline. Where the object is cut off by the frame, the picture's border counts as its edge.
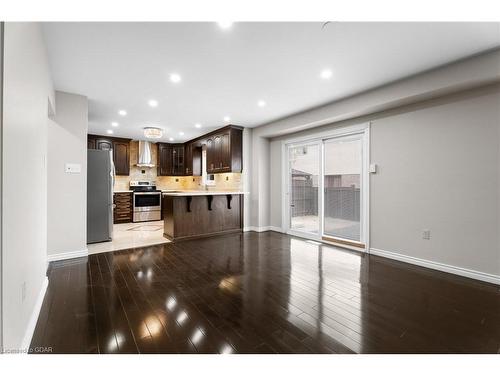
(326, 74)
(153, 103)
(114, 124)
(227, 118)
(225, 24)
(197, 126)
(110, 131)
(181, 133)
(170, 139)
(175, 78)
(261, 103)
(122, 112)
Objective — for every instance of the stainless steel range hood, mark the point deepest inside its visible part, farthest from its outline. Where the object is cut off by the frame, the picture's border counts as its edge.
(145, 156)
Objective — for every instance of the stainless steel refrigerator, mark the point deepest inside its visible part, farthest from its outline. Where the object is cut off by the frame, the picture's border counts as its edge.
(100, 180)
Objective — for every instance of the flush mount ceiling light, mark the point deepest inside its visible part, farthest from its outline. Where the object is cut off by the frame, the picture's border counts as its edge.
(152, 132)
(109, 131)
(114, 124)
(261, 103)
(171, 139)
(225, 25)
(153, 103)
(326, 74)
(197, 126)
(122, 112)
(181, 133)
(227, 118)
(175, 78)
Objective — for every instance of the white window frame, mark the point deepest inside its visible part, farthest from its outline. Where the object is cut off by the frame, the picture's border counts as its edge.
(319, 137)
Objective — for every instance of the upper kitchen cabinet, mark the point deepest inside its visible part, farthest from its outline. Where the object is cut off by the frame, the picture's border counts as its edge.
(121, 157)
(120, 148)
(224, 150)
(178, 160)
(91, 143)
(164, 159)
(171, 159)
(192, 158)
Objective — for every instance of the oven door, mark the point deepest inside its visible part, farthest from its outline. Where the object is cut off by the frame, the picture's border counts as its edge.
(147, 201)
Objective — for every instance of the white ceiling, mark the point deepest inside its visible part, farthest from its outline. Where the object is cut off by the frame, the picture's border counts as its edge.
(226, 72)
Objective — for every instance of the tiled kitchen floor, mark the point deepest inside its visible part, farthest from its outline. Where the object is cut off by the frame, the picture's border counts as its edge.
(130, 235)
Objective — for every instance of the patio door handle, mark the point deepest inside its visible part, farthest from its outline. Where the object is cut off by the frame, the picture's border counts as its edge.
(292, 205)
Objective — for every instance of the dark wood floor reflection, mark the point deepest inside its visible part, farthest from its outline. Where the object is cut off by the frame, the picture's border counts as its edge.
(261, 293)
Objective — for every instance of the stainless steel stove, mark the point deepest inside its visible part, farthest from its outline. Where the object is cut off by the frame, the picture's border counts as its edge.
(146, 202)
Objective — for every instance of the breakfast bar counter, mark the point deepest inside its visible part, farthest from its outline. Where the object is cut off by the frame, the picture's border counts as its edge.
(201, 213)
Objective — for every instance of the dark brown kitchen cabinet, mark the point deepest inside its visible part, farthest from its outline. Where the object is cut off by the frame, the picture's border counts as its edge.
(178, 160)
(121, 157)
(188, 159)
(170, 159)
(192, 159)
(226, 161)
(224, 150)
(120, 148)
(91, 144)
(210, 155)
(122, 211)
(164, 159)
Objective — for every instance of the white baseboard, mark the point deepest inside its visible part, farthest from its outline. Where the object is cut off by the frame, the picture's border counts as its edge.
(276, 229)
(68, 255)
(28, 335)
(255, 229)
(477, 275)
(262, 229)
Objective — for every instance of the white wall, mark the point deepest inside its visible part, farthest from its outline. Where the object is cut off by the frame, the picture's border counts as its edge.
(439, 169)
(27, 93)
(246, 175)
(67, 192)
(1, 172)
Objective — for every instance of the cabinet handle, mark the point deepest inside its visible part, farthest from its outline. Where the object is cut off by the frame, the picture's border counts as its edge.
(220, 165)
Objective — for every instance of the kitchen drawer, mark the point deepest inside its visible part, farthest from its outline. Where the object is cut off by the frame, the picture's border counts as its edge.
(122, 218)
(127, 212)
(123, 205)
(123, 215)
(123, 198)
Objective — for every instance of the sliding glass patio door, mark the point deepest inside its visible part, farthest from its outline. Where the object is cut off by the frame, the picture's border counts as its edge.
(304, 178)
(343, 167)
(326, 182)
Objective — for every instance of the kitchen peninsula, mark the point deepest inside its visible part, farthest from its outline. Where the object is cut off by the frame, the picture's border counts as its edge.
(199, 213)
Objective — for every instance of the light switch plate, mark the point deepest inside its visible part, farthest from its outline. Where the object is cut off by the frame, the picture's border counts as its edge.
(72, 168)
(373, 168)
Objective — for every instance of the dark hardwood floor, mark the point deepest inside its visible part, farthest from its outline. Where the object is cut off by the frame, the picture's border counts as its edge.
(261, 293)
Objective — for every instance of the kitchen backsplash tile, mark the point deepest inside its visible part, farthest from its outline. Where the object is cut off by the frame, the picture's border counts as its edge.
(223, 181)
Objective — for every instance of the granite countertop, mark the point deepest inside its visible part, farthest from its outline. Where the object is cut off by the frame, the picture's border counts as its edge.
(187, 193)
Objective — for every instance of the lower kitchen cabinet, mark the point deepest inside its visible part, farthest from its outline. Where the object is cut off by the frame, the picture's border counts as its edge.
(122, 212)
